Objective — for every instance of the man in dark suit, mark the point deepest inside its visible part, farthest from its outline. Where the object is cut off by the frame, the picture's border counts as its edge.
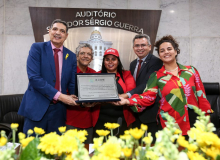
(51, 70)
(141, 69)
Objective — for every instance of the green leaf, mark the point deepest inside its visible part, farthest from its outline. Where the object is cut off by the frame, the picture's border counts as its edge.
(48, 156)
(217, 157)
(30, 152)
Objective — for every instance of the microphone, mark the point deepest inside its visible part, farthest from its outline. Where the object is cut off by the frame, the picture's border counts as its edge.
(119, 121)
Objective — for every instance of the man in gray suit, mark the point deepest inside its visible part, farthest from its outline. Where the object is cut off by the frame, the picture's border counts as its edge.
(141, 69)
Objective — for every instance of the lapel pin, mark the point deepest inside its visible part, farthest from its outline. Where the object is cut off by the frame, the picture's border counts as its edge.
(67, 55)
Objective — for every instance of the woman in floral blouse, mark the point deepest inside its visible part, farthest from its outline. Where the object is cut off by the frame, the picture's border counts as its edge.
(179, 87)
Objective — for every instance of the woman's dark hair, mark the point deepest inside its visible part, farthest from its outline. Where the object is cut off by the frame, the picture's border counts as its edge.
(169, 39)
(120, 67)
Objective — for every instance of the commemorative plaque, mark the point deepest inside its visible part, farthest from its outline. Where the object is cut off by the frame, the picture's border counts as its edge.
(97, 87)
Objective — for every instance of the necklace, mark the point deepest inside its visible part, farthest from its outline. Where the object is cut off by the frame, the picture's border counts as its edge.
(171, 70)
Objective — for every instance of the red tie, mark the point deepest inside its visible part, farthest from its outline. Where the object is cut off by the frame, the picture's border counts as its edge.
(56, 60)
(139, 68)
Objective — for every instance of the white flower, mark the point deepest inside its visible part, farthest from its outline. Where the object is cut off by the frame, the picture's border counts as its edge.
(183, 156)
(82, 155)
(211, 127)
(162, 158)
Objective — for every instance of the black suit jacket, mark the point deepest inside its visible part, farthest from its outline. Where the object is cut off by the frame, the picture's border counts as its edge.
(150, 65)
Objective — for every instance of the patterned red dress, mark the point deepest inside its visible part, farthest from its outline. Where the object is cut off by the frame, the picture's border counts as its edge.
(178, 95)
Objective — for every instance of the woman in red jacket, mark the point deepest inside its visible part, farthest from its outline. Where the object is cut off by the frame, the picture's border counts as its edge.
(106, 112)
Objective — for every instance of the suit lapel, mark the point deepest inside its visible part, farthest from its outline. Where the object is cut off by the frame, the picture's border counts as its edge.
(50, 56)
(145, 63)
(65, 62)
(133, 65)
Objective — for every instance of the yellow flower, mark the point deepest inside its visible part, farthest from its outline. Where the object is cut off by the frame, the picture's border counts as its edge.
(192, 147)
(62, 129)
(126, 132)
(82, 135)
(30, 132)
(177, 131)
(71, 132)
(67, 55)
(14, 126)
(148, 139)
(195, 156)
(144, 127)
(97, 142)
(182, 142)
(217, 143)
(207, 138)
(49, 143)
(67, 144)
(127, 151)
(212, 152)
(103, 157)
(38, 131)
(69, 157)
(111, 150)
(136, 133)
(25, 142)
(3, 141)
(102, 132)
(126, 136)
(21, 136)
(111, 125)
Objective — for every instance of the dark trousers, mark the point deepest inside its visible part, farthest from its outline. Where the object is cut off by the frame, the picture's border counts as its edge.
(54, 118)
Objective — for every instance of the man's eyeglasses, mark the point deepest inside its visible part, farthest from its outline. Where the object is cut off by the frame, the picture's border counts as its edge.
(140, 45)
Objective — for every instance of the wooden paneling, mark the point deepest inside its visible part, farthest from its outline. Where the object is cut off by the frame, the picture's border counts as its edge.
(42, 17)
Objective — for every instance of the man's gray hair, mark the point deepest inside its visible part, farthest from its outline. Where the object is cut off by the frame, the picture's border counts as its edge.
(59, 21)
(86, 45)
(138, 36)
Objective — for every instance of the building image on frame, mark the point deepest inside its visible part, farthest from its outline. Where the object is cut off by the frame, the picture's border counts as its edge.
(99, 46)
(101, 38)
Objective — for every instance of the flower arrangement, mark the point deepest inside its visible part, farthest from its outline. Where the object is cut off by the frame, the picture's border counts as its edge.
(67, 146)
(202, 144)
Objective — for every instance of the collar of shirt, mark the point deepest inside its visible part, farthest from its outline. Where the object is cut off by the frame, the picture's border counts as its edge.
(180, 68)
(53, 47)
(79, 71)
(143, 59)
